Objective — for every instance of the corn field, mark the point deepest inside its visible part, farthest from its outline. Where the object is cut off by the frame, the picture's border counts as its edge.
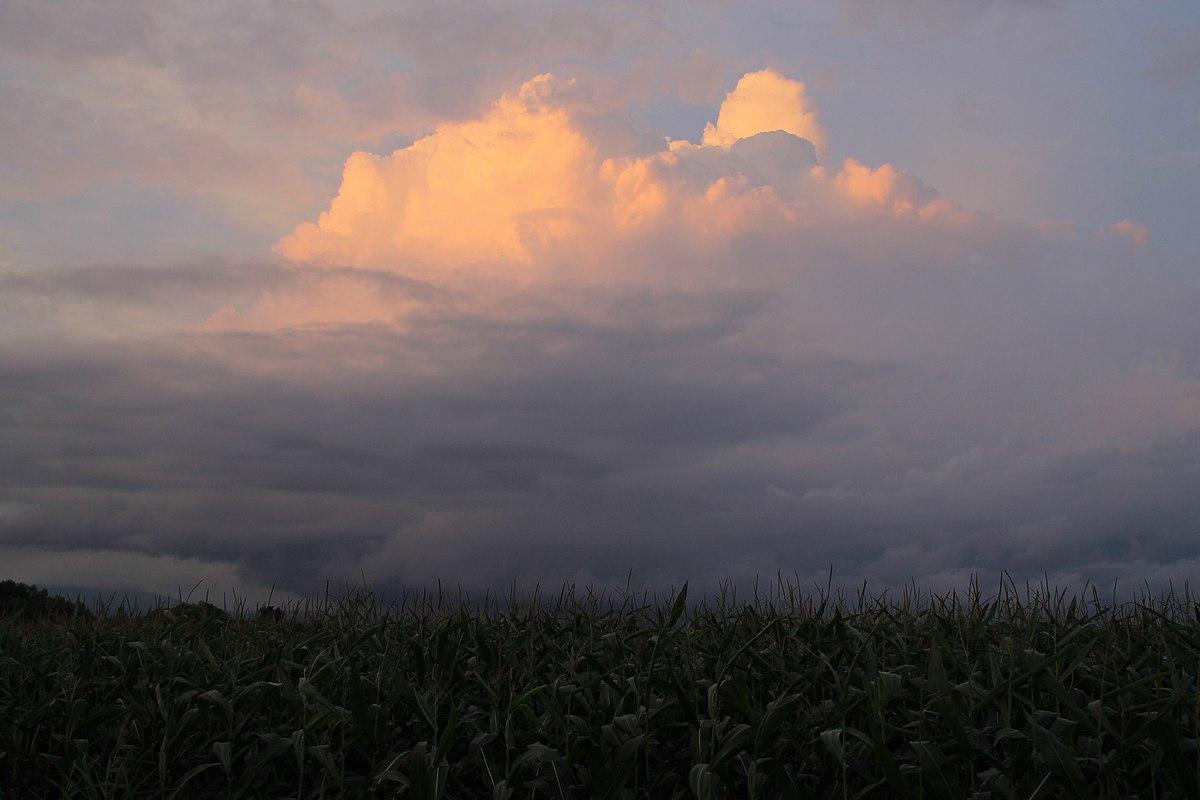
(785, 695)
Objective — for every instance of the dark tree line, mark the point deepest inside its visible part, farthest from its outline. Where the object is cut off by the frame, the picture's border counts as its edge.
(30, 602)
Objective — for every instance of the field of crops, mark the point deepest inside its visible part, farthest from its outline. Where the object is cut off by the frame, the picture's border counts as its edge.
(787, 695)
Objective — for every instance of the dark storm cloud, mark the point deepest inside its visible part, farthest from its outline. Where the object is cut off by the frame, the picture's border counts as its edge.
(479, 448)
(231, 448)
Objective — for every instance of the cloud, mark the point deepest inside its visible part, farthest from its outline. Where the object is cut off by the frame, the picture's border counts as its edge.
(465, 430)
(766, 101)
(240, 115)
(1133, 232)
(543, 343)
(473, 191)
(540, 187)
(103, 301)
(579, 434)
(165, 575)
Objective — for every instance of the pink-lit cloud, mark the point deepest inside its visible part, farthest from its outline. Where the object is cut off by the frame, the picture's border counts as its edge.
(477, 191)
(766, 101)
(1133, 232)
(535, 190)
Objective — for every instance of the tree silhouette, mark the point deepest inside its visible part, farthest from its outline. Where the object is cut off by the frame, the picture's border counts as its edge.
(30, 602)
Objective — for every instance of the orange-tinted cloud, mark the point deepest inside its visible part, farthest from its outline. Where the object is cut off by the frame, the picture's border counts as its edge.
(1133, 232)
(534, 190)
(892, 190)
(766, 101)
(487, 189)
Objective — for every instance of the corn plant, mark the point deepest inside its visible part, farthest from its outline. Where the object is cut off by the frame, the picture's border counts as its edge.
(587, 696)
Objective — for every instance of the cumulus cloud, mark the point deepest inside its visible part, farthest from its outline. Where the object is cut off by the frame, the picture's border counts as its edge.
(236, 115)
(540, 188)
(765, 101)
(481, 190)
(540, 343)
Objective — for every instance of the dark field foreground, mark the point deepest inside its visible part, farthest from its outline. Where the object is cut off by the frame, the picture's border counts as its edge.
(1039, 695)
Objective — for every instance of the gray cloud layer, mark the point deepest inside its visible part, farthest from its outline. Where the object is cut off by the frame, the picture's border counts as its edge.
(1042, 418)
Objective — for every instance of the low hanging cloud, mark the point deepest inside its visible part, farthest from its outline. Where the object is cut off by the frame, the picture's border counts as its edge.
(549, 344)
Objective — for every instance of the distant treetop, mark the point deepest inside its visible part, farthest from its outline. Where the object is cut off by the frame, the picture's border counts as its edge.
(30, 602)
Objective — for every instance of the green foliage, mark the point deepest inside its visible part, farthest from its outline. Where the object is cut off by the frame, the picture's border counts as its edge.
(586, 697)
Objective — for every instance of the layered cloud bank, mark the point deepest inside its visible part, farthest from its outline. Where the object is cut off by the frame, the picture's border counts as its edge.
(548, 343)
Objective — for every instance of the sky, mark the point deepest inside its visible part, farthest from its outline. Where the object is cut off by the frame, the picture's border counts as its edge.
(299, 293)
